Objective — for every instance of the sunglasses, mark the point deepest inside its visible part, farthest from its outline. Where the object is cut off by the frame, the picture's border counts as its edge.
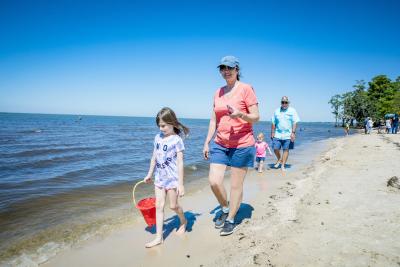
(284, 102)
(223, 67)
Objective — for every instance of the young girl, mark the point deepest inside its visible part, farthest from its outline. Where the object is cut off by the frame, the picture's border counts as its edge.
(167, 164)
(261, 147)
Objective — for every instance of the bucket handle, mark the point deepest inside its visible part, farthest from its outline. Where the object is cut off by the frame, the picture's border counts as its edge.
(134, 189)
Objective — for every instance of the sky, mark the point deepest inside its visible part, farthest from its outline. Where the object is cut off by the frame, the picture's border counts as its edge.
(132, 58)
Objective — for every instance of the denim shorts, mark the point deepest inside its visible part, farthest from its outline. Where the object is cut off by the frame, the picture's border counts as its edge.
(285, 144)
(258, 159)
(235, 157)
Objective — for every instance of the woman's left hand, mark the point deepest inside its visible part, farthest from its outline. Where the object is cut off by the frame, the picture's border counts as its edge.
(181, 190)
(234, 112)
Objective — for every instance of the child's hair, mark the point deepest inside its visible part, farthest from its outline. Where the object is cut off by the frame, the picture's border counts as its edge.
(168, 116)
(260, 134)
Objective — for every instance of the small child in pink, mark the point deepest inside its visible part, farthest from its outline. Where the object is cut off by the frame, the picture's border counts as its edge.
(261, 148)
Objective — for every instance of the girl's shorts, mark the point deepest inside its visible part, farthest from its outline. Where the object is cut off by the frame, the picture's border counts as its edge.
(235, 157)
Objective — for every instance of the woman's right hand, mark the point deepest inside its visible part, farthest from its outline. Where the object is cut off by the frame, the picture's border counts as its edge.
(206, 151)
(147, 179)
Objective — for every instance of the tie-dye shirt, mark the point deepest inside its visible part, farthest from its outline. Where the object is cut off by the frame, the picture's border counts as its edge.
(166, 149)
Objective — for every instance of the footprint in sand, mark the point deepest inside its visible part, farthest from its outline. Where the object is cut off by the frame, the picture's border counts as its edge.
(394, 182)
(242, 235)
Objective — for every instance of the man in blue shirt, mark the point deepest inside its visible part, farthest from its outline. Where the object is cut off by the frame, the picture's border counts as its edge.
(283, 131)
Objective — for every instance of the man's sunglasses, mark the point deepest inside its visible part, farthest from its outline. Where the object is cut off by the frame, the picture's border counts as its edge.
(284, 102)
(223, 67)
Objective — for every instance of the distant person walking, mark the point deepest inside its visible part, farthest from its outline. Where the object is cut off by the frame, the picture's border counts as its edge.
(283, 131)
(370, 124)
(235, 109)
(381, 126)
(388, 125)
(395, 125)
(346, 128)
(365, 125)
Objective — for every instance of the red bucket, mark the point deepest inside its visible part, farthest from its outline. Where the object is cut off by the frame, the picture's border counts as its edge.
(147, 207)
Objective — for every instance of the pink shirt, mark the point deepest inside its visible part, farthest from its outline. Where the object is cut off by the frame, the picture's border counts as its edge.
(261, 148)
(234, 133)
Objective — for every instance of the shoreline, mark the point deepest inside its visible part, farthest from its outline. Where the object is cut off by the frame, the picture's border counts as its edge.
(198, 240)
(117, 212)
(281, 218)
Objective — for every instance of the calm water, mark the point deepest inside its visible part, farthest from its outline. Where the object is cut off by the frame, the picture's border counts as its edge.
(63, 177)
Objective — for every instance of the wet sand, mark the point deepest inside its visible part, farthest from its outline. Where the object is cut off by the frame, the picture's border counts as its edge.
(335, 211)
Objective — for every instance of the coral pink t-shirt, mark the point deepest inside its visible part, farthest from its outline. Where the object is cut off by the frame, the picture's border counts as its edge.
(234, 133)
(261, 148)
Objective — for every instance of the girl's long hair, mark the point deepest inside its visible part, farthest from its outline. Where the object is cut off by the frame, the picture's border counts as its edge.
(168, 116)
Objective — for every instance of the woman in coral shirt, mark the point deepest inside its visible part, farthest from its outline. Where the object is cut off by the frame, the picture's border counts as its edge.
(235, 110)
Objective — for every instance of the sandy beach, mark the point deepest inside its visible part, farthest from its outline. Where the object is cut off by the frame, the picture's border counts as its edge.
(335, 211)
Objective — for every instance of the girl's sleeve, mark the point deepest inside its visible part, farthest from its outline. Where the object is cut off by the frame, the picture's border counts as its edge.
(179, 145)
(250, 96)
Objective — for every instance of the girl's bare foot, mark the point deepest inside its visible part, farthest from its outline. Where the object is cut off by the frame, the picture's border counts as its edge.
(182, 228)
(155, 242)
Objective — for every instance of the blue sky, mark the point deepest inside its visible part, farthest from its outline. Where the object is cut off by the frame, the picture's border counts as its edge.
(134, 57)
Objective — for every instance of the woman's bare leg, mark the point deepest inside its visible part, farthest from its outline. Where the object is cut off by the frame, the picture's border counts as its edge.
(216, 179)
(236, 196)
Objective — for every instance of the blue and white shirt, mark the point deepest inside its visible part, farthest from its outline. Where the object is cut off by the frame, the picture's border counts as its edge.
(166, 149)
(284, 120)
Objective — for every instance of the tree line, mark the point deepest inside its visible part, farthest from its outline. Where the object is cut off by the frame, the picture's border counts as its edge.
(380, 98)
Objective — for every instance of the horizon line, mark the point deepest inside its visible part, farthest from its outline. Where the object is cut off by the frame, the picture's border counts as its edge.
(129, 116)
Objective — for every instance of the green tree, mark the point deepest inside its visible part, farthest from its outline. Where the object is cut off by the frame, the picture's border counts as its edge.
(396, 97)
(347, 110)
(382, 97)
(336, 103)
(381, 94)
(361, 106)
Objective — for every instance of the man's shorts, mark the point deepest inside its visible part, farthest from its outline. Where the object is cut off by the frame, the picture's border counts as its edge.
(258, 159)
(235, 157)
(285, 144)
